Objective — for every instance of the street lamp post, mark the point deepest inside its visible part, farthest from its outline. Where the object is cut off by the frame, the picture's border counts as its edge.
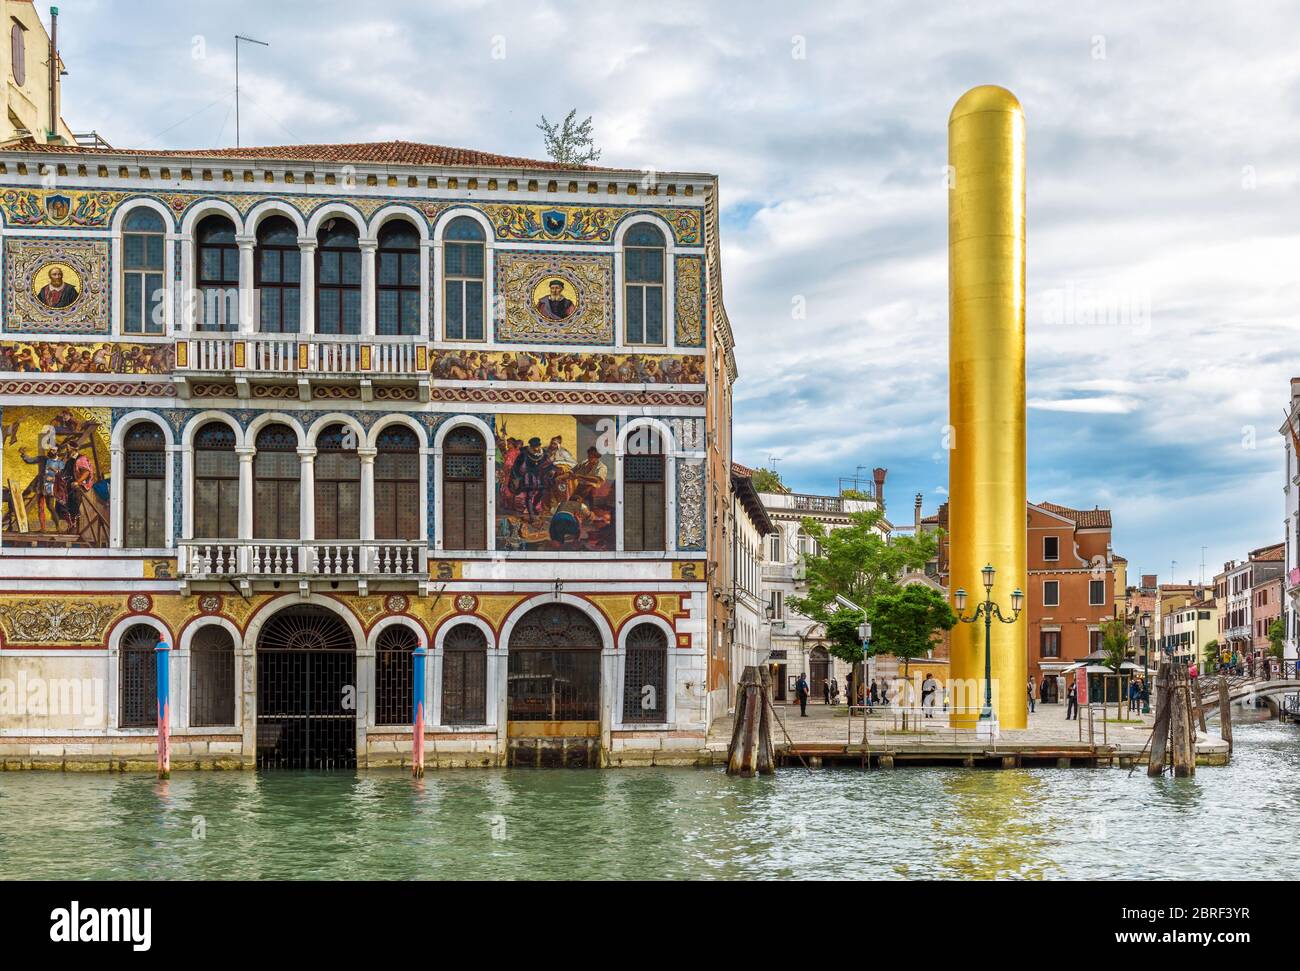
(988, 610)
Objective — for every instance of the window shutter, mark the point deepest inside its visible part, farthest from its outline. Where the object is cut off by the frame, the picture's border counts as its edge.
(634, 516)
(654, 516)
(475, 516)
(453, 516)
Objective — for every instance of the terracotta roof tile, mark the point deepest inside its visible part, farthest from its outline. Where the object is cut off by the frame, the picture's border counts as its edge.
(380, 153)
(1269, 553)
(1083, 518)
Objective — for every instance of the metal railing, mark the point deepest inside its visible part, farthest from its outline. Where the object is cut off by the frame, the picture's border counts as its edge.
(300, 354)
(879, 723)
(205, 559)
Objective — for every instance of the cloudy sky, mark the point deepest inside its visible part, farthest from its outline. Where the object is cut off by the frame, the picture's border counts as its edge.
(1163, 160)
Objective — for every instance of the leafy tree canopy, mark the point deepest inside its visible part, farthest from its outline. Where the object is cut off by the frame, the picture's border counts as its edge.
(569, 142)
(856, 562)
(905, 622)
(766, 480)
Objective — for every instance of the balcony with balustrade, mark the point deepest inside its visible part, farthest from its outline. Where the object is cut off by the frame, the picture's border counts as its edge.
(306, 564)
(303, 365)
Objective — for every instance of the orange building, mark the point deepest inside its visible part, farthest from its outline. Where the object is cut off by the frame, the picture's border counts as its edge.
(1071, 588)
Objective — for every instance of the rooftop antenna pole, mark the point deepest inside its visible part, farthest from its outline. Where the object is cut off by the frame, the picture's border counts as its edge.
(1202, 580)
(250, 40)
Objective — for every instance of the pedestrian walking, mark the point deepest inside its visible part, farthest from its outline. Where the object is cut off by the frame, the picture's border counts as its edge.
(875, 692)
(929, 688)
(1031, 696)
(835, 691)
(801, 690)
(1134, 693)
(826, 690)
(1072, 699)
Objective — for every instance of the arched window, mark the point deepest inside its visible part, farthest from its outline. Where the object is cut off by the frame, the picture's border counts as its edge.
(462, 270)
(18, 52)
(216, 482)
(212, 677)
(397, 280)
(643, 284)
(218, 274)
(143, 299)
(278, 263)
(464, 676)
(338, 484)
(397, 484)
(338, 278)
(139, 677)
(464, 490)
(144, 509)
(643, 491)
(395, 675)
(276, 484)
(645, 675)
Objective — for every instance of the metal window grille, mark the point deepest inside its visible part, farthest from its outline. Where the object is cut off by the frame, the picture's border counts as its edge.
(464, 507)
(645, 675)
(306, 691)
(394, 675)
(212, 677)
(277, 474)
(553, 671)
(397, 485)
(338, 485)
(139, 691)
(464, 676)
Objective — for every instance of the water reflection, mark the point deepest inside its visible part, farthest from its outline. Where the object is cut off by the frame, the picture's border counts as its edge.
(663, 823)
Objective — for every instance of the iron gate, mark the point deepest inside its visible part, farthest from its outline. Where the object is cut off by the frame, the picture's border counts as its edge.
(306, 692)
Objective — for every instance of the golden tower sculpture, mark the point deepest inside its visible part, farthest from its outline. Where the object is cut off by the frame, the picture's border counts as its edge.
(986, 391)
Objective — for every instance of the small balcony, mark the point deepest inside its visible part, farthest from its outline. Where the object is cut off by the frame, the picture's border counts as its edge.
(303, 561)
(396, 367)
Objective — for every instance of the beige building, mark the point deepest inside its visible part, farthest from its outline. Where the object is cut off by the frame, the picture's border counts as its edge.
(31, 88)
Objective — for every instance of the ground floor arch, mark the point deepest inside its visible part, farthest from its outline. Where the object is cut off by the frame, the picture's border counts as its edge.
(307, 697)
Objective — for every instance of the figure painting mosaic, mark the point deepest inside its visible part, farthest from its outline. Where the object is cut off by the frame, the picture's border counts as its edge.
(555, 483)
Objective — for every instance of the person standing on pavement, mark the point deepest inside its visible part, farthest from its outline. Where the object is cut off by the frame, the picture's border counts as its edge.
(1072, 697)
(1031, 696)
(801, 690)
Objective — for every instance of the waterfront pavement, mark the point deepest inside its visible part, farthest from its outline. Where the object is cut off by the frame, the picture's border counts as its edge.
(829, 730)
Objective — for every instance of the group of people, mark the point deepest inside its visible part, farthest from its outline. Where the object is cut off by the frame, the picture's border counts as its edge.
(546, 485)
(43, 357)
(870, 696)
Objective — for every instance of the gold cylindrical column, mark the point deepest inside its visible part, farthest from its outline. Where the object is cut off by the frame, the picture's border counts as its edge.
(986, 391)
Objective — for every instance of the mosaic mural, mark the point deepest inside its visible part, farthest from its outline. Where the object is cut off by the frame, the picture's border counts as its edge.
(559, 366)
(690, 505)
(55, 467)
(555, 298)
(43, 621)
(58, 207)
(689, 286)
(584, 224)
(100, 357)
(56, 285)
(555, 483)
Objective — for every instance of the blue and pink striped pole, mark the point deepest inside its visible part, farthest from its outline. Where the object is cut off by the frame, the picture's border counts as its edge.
(163, 654)
(417, 714)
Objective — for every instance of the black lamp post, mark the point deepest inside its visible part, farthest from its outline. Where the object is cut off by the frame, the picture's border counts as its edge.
(988, 610)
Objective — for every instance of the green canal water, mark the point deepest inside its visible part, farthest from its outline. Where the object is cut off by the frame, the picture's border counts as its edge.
(1077, 824)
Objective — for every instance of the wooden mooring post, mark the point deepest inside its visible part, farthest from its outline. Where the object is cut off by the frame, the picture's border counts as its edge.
(1160, 730)
(751, 752)
(1225, 711)
(1182, 737)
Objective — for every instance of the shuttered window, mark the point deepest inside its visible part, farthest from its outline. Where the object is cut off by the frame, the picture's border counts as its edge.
(464, 676)
(643, 500)
(338, 484)
(212, 677)
(216, 483)
(276, 489)
(397, 485)
(145, 499)
(464, 491)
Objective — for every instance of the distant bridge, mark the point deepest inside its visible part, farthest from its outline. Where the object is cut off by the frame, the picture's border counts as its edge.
(1242, 687)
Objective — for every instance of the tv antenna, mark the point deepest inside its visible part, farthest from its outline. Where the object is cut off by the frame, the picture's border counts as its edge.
(249, 40)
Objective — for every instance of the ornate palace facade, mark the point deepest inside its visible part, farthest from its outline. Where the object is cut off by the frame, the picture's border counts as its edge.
(298, 411)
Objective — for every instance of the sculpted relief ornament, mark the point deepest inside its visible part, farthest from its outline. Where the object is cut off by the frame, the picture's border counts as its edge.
(56, 621)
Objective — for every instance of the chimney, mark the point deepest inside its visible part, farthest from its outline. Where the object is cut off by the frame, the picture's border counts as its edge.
(879, 476)
(916, 513)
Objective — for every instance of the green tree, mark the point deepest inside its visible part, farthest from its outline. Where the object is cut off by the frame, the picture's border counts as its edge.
(1211, 657)
(570, 142)
(766, 480)
(905, 622)
(1114, 645)
(1276, 637)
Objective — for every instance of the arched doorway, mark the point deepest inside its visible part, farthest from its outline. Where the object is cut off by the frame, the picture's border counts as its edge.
(553, 687)
(306, 691)
(819, 672)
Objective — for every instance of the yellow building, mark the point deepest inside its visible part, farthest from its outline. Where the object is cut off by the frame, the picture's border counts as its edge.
(31, 89)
